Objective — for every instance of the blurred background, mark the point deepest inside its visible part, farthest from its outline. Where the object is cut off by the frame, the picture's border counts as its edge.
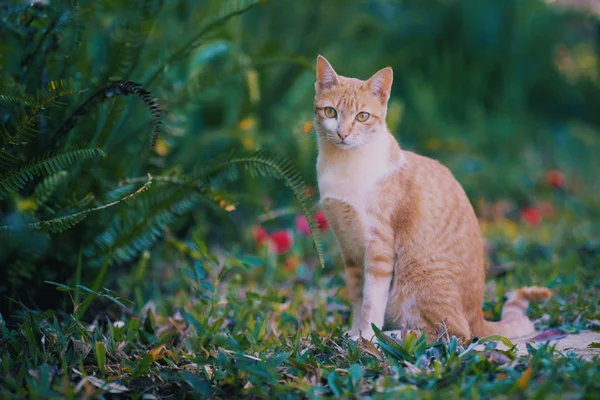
(505, 93)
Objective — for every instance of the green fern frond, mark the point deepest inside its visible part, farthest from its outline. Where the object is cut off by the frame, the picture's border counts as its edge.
(26, 127)
(6, 158)
(17, 98)
(15, 180)
(48, 186)
(189, 182)
(69, 30)
(127, 238)
(134, 37)
(229, 9)
(257, 163)
(261, 163)
(125, 88)
(60, 224)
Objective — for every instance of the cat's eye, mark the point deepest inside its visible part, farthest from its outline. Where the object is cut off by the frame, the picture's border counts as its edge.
(330, 112)
(362, 116)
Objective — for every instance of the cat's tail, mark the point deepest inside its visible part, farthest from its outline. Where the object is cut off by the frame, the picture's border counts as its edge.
(514, 322)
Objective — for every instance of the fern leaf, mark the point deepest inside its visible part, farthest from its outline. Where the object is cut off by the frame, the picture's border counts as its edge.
(126, 239)
(261, 163)
(184, 181)
(15, 180)
(48, 186)
(26, 127)
(69, 30)
(59, 224)
(17, 98)
(125, 88)
(65, 222)
(134, 37)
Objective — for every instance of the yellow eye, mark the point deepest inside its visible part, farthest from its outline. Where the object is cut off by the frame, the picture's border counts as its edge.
(330, 112)
(363, 116)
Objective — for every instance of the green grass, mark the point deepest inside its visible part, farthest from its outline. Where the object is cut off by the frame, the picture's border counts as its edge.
(225, 327)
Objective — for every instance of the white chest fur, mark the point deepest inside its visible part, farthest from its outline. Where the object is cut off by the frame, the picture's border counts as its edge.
(351, 175)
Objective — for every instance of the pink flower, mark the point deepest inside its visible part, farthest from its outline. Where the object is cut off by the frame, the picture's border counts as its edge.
(531, 215)
(282, 241)
(322, 221)
(302, 225)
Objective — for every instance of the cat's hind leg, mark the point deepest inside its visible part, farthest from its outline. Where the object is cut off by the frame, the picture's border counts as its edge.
(442, 312)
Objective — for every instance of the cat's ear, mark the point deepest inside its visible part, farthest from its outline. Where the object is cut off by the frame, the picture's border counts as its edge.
(380, 84)
(326, 76)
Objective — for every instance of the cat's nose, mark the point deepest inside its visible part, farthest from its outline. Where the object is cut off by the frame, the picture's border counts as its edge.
(342, 135)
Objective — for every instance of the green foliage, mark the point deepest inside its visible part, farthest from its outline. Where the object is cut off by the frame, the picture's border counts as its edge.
(16, 179)
(16, 98)
(116, 89)
(46, 188)
(262, 164)
(45, 122)
(217, 329)
(25, 127)
(227, 10)
(65, 222)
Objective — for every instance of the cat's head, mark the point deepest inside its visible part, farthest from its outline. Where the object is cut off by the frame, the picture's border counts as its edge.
(350, 112)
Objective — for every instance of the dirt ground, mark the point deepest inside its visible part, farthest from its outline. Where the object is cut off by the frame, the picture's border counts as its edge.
(578, 343)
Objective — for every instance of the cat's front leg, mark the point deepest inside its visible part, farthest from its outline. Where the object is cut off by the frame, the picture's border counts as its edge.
(379, 268)
(354, 283)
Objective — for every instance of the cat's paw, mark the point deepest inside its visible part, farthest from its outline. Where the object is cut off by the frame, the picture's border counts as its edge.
(352, 333)
(369, 336)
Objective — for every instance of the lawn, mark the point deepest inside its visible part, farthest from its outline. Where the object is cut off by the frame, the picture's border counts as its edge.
(227, 326)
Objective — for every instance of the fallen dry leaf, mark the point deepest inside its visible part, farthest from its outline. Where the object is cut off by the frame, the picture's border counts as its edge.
(157, 352)
(110, 387)
(524, 379)
(550, 334)
(497, 357)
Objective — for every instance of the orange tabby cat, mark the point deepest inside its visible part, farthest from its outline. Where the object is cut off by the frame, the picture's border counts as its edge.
(409, 237)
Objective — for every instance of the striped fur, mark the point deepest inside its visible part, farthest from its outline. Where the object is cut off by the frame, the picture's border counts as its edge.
(409, 237)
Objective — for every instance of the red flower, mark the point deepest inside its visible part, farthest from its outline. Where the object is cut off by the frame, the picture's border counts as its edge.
(531, 215)
(282, 241)
(322, 221)
(555, 178)
(302, 225)
(261, 236)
